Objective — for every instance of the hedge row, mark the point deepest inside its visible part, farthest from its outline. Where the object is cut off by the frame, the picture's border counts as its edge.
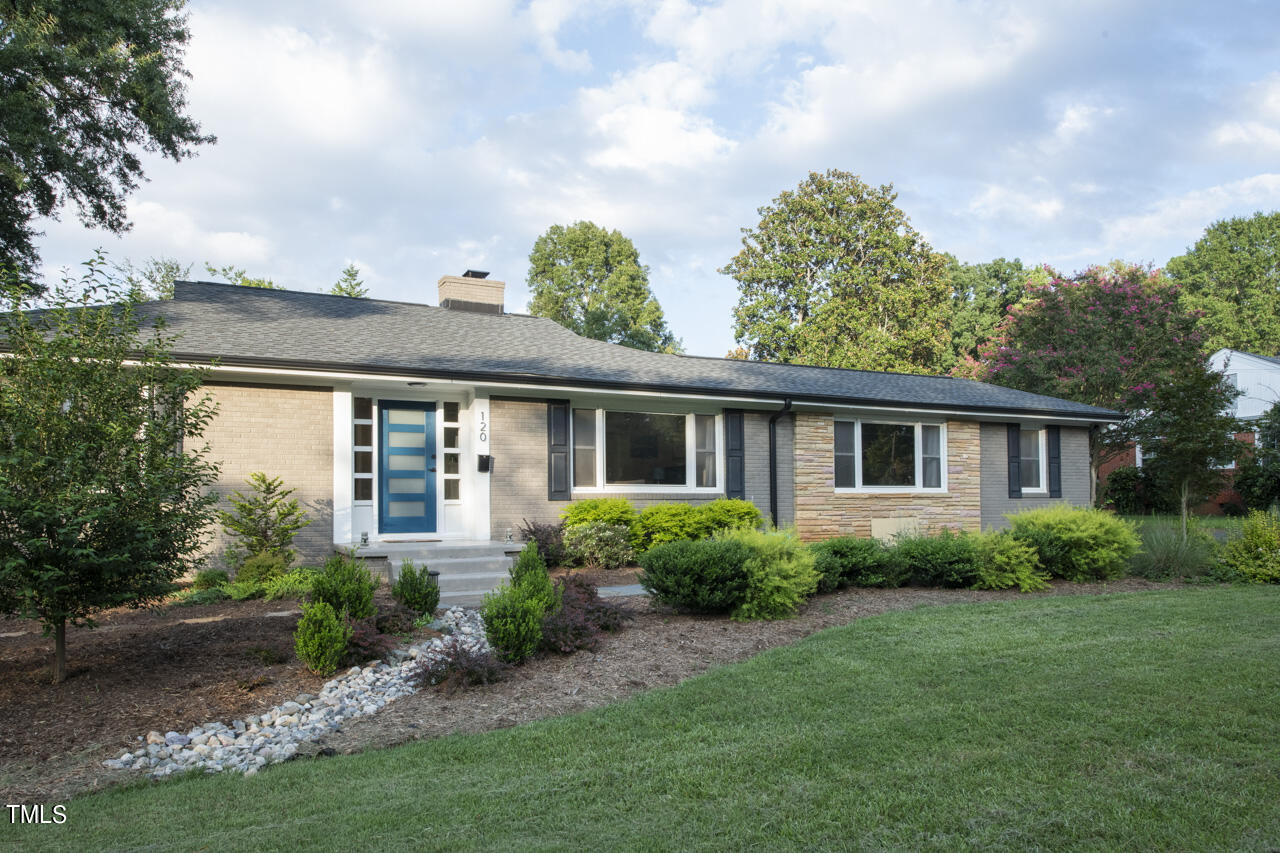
(765, 575)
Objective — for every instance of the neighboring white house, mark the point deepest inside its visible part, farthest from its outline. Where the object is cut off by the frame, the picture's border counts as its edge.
(1257, 376)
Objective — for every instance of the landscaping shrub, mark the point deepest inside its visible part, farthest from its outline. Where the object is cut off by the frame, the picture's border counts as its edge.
(1004, 561)
(513, 622)
(780, 573)
(706, 576)
(261, 568)
(581, 617)
(855, 561)
(345, 585)
(265, 521)
(398, 619)
(210, 579)
(192, 597)
(458, 666)
(1255, 556)
(947, 559)
(529, 573)
(729, 514)
(596, 545)
(1077, 544)
(1165, 554)
(321, 638)
(366, 641)
(548, 537)
(613, 511)
(245, 590)
(415, 589)
(292, 584)
(669, 522)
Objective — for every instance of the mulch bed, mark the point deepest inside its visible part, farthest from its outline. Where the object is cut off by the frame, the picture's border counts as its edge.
(177, 667)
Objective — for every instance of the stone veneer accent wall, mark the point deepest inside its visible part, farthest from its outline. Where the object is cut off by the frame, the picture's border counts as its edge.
(821, 513)
(283, 431)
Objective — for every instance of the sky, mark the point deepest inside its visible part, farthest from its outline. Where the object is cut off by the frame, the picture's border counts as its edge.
(418, 139)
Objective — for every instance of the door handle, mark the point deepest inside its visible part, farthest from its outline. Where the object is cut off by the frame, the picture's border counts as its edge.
(431, 470)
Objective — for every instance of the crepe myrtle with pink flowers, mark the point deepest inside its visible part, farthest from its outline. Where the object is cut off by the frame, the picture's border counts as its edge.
(1108, 336)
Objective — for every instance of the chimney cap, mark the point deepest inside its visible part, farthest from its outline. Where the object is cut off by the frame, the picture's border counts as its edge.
(476, 274)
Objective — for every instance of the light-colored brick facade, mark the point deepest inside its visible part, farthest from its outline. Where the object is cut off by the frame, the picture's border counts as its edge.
(283, 431)
(822, 513)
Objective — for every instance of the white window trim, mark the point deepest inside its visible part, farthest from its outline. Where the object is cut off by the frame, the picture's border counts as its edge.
(919, 474)
(1042, 438)
(690, 451)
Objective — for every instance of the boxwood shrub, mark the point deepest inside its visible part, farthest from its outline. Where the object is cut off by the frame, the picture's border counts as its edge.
(706, 576)
(780, 573)
(670, 522)
(946, 559)
(855, 561)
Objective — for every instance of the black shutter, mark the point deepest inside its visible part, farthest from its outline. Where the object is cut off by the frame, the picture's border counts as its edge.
(1015, 461)
(1054, 440)
(735, 479)
(558, 450)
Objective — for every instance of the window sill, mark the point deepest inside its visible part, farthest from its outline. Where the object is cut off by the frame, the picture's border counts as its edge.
(888, 490)
(646, 490)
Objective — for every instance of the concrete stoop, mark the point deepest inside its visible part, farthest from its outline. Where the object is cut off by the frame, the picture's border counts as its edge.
(467, 569)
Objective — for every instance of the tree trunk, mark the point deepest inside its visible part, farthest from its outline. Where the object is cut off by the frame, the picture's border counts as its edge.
(1185, 490)
(60, 650)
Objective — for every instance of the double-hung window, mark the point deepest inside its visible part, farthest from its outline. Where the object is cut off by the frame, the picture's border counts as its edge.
(647, 451)
(890, 456)
(1034, 455)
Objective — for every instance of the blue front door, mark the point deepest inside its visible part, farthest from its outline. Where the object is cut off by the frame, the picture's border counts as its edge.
(407, 467)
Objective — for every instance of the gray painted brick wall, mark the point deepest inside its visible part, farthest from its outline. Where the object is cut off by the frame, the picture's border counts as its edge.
(756, 460)
(995, 474)
(518, 484)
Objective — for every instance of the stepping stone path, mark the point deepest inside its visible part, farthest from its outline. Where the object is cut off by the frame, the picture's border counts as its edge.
(247, 745)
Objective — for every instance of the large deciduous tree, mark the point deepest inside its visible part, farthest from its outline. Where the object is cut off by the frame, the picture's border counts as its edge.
(1108, 336)
(590, 280)
(981, 296)
(1232, 276)
(83, 88)
(835, 275)
(103, 491)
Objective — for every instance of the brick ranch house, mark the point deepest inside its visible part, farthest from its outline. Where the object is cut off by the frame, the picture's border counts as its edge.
(426, 431)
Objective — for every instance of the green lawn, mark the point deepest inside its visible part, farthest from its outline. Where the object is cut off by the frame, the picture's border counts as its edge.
(1139, 721)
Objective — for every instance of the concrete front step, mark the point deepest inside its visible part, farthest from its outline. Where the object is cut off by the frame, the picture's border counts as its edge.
(467, 569)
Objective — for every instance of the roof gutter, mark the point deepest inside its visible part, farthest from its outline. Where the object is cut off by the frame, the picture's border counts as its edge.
(773, 459)
(528, 380)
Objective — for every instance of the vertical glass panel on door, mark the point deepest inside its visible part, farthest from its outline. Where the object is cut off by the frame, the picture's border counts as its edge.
(450, 436)
(451, 413)
(364, 435)
(364, 408)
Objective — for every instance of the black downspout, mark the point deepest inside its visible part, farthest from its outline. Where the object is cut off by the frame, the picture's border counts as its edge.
(773, 459)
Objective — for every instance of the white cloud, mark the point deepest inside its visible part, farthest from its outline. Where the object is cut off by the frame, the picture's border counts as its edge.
(292, 87)
(175, 232)
(1259, 126)
(648, 118)
(996, 202)
(1182, 219)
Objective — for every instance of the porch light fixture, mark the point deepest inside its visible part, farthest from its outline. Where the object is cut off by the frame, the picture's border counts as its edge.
(364, 538)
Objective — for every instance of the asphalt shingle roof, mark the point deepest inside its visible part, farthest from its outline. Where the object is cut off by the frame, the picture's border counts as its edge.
(253, 326)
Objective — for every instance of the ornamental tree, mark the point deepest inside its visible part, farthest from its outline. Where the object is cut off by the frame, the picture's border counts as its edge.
(1108, 336)
(834, 275)
(590, 280)
(1189, 430)
(104, 494)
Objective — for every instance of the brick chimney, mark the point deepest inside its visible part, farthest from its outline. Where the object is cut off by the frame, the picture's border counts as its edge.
(472, 291)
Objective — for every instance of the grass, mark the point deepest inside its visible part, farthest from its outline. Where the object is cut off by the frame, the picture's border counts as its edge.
(1137, 721)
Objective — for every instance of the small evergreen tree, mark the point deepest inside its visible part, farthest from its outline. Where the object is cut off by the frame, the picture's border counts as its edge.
(265, 522)
(349, 284)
